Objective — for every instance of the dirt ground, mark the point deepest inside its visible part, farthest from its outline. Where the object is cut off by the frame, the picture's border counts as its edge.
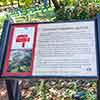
(3, 91)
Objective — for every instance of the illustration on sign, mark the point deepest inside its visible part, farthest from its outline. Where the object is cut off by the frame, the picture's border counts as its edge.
(19, 59)
(23, 39)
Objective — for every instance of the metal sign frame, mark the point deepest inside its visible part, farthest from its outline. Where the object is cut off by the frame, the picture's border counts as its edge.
(7, 32)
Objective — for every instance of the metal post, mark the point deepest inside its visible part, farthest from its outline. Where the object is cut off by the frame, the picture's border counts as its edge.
(98, 89)
(3, 43)
(13, 90)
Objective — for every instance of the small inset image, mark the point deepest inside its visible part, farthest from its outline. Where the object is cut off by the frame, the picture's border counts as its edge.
(20, 60)
(23, 38)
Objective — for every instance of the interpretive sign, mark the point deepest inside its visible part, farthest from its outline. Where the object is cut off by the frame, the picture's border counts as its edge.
(68, 49)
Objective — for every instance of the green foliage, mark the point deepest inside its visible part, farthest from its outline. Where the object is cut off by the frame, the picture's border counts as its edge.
(69, 9)
(25, 3)
(84, 9)
(60, 90)
(98, 2)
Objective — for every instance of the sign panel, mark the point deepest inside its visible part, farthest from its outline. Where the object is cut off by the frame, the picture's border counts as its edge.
(52, 50)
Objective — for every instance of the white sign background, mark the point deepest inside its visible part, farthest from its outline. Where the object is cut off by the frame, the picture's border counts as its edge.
(66, 49)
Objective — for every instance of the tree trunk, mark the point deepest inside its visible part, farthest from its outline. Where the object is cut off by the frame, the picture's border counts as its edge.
(11, 1)
(39, 2)
(49, 3)
(18, 4)
(57, 6)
